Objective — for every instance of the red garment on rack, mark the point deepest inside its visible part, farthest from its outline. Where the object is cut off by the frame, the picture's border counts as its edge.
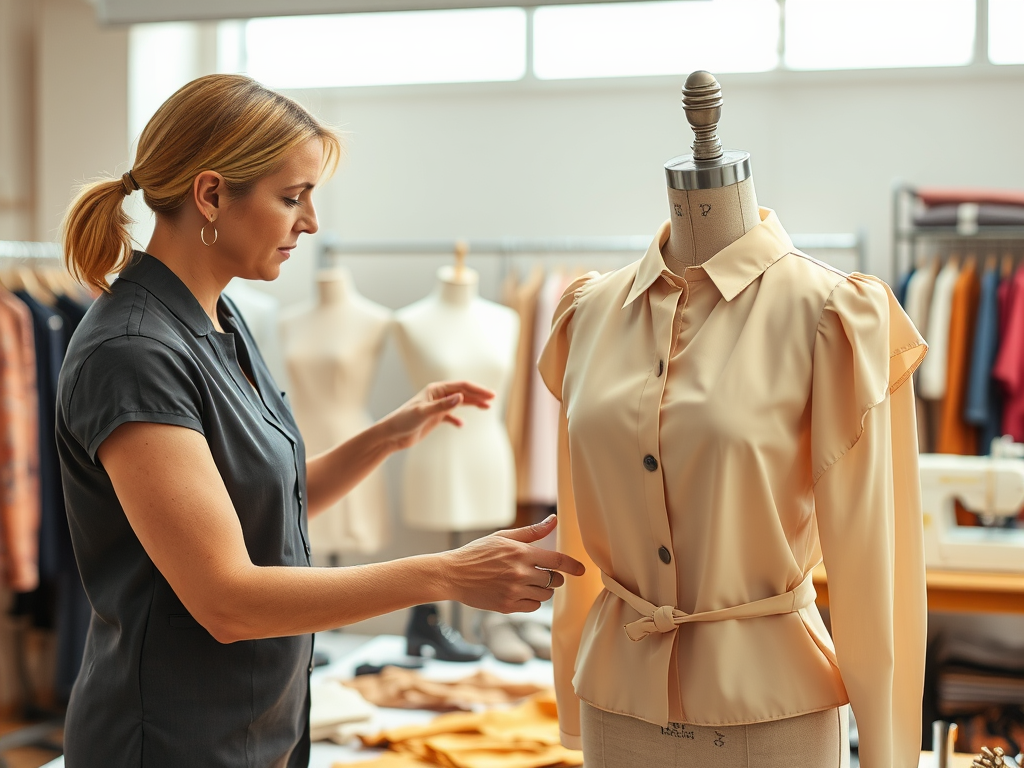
(1009, 367)
(955, 195)
(19, 447)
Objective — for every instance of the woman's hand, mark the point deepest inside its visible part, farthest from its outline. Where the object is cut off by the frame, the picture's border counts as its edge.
(413, 421)
(503, 572)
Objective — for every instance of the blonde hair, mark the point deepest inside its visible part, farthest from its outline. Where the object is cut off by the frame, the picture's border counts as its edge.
(225, 123)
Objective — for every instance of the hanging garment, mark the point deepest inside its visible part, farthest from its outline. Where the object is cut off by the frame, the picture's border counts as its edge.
(935, 368)
(705, 469)
(543, 415)
(901, 288)
(983, 407)
(918, 305)
(19, 447)
(932, 196)
(1009, 368)
(955, 434)
(522, 297)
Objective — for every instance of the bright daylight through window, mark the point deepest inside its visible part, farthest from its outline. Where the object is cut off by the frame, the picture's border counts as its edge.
(387, 48)
(1006, 31)
(867, 34)
(655, 38)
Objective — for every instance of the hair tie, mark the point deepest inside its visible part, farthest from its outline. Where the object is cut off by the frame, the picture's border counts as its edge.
(128, 183)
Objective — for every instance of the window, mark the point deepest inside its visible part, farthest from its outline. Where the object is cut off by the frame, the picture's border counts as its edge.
(655, 38)
(838, 34)
(387, 48)
(1006, 31)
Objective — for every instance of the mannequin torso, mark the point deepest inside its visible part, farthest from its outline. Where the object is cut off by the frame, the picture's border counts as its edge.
(460, 479)
(331, 353)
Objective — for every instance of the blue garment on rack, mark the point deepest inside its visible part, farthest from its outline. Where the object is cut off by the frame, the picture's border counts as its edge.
(983, 406)
(901, 287)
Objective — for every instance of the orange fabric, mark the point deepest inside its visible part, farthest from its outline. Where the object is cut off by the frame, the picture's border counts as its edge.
(19, 447)
(523, 737)
(955, 434)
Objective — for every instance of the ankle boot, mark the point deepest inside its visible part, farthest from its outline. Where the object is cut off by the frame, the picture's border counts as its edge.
(425, 628)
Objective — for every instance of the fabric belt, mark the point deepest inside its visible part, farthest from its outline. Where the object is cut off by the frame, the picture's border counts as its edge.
(667, 618)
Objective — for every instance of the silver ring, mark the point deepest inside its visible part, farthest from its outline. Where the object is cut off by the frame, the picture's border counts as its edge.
(551, 578)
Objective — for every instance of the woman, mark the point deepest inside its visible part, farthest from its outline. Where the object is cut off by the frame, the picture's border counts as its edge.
(186, 479)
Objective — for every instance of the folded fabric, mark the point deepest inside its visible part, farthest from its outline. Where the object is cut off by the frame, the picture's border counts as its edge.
(986, 215)
(332, 705)
(954, 195)
(407, 689)
(525, 736)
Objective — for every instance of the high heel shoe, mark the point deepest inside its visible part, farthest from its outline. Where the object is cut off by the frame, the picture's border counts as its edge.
(425, 629)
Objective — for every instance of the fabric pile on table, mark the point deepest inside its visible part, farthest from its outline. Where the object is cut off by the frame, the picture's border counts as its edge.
(407, 689)
(525, 736)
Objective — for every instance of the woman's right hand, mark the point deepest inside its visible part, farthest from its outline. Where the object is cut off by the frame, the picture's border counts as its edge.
(504, 572)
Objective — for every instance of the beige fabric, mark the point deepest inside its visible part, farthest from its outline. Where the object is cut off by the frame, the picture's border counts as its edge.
(782, 416)
(407, 689)
(816, 740)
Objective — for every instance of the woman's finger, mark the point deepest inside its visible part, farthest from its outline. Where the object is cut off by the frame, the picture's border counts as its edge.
(556, 579)
(536, 594)
(452, 420)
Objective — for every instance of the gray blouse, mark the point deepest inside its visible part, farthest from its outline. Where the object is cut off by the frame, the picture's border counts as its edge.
(156, 690)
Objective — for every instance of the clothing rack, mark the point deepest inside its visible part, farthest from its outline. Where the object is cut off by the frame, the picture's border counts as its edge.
(41, 734)
(509, 246)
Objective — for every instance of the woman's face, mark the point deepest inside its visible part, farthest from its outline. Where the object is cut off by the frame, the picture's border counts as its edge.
(256, 233)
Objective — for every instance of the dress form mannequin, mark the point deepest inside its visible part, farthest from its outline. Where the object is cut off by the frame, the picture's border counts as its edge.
(460, 479)
(711, 192)
(331, 351)
(712, 204)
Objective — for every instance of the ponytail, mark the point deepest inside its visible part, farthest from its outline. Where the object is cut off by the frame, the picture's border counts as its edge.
(225, 123)
(95, 233)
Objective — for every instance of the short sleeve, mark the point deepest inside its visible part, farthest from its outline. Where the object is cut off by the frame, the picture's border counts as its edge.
(865, 349)
(556, 351)
(132, 378)
(868, 512)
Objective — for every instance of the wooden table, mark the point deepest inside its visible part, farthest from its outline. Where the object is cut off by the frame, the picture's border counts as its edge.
(958, 591)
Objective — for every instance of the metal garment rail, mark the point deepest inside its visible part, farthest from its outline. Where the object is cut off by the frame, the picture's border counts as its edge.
(25, 250)
(509, 246)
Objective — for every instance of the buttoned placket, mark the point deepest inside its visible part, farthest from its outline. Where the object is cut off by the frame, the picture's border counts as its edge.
(667, 298)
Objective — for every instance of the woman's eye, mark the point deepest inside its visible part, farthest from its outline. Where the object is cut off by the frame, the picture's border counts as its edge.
(292, 201)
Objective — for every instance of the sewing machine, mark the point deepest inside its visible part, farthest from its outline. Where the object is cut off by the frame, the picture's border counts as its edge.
(992, 487)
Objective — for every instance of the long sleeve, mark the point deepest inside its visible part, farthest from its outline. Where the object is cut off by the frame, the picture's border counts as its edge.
(572, 601)
(868, 508)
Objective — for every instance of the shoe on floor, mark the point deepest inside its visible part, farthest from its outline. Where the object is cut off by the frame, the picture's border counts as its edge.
(500, 636)
(537, 636)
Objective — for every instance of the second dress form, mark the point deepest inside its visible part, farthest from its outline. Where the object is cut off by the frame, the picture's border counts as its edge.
(460, 479)
(331, 352)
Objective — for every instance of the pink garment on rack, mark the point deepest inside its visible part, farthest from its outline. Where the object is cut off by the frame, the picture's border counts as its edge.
(955, 195)
(542, 432)
(1009, 367)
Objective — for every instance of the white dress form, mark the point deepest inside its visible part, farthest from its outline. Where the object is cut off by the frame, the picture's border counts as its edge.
(331, 351)
(460, 479)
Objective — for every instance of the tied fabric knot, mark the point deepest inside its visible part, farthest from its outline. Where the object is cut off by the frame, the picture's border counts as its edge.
(664, 619)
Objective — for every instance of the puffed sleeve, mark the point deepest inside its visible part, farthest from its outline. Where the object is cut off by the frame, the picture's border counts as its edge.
(572, 601)
(868, 508)
(132, 378)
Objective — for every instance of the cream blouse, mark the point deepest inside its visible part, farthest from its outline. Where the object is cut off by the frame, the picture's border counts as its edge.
(721, 432)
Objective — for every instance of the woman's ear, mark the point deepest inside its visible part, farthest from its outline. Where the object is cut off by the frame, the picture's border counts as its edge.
(206, 193)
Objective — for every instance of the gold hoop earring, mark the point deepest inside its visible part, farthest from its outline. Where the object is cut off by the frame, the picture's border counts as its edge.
(202, 235)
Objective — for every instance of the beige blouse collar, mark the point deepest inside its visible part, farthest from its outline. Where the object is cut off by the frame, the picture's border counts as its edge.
(731, 269)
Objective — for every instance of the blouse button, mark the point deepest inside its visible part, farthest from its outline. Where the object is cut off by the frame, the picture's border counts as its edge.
(650, 463)
(665, 555)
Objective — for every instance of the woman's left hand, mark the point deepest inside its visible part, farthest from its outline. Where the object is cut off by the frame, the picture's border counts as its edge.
(417, 418)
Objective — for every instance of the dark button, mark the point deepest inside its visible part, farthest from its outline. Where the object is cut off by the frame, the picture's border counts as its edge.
(661, 367)
(665, 555)
(307, 550)
(650, 463)
(300, 494)
(311, 667)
